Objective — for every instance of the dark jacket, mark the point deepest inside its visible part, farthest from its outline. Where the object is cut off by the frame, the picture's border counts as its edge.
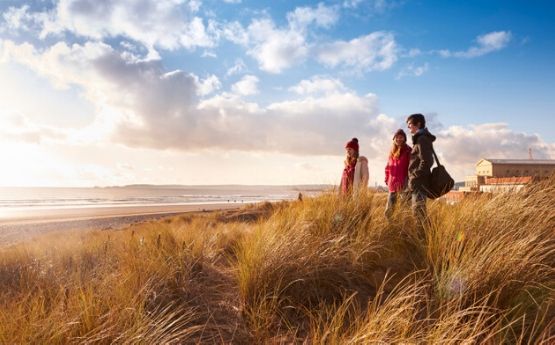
(421, 160)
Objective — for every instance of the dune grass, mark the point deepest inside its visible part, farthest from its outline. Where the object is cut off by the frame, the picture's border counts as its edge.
(326, 270)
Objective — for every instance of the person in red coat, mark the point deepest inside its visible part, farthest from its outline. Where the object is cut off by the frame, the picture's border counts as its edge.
(397, 170)
(355, 173)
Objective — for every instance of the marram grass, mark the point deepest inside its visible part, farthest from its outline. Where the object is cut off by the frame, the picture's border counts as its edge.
(327, 270)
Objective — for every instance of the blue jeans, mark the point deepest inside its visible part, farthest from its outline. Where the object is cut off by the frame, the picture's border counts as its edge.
(419, 206)
(391, 200)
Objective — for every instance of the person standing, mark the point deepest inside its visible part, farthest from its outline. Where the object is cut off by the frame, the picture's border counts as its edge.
(355, 172)
(421, 161)
(396, 170)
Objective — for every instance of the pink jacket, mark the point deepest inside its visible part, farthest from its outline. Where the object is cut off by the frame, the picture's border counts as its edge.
(397, 170)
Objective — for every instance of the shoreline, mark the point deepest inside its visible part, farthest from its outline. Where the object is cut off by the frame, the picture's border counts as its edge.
(22, 227)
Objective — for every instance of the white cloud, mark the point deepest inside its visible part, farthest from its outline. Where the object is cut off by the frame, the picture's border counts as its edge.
(464, 144)
(151, 108)
(279, 48)
(166, 24)
(322, 16)
(318, 84)
(276, 49)
(413, 52)
(209, 54)
(413, 71)
(147, 107)
(248, 85)
(232, 1)
(17, 18)
(487, 43)
(237, 68)
(375, 51)
(372, 6)
(17, 127)
(460, 147)
(208, 85)
(235, 33)
(352, 3)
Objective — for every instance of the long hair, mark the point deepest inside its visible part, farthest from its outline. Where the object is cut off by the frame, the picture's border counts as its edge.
(396, 150)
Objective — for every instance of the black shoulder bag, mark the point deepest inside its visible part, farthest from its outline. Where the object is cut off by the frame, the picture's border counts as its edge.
(440, 182)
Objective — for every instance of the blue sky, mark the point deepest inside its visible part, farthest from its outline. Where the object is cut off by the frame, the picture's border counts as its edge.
(200, 92)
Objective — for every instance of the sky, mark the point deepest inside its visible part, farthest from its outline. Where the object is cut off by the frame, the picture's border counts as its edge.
(103, 93)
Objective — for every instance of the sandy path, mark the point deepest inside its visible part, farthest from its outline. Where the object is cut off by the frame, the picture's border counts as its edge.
(21, 227)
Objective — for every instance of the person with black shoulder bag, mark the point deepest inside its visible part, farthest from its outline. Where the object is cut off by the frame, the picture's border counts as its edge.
(421, 161)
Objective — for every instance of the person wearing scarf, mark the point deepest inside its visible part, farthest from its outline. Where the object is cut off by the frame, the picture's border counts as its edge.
(355, 172)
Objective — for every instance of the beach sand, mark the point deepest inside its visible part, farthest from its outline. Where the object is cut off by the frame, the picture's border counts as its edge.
(17, 227)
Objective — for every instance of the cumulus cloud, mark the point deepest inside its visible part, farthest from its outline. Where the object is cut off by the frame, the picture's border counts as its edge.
(486, 44)
(166, 24)
(413, 71)
(159, 109)
(17, 18)
(248, 85)
(322, 16)
(375, 51)
(208, 85)
(153, 108)
(277, 48)
(237, 68)
(351, 3)
(17, 127)
(318, 84)
(460, 147)
(463, 144)
(371, 7)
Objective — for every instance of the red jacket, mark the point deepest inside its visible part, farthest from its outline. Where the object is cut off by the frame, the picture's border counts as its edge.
(397, 170)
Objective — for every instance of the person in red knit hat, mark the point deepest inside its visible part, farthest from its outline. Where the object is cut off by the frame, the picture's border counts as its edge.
(355, 173)
(397, 170)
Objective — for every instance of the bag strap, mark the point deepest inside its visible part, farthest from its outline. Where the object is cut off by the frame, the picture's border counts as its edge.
(435, 156)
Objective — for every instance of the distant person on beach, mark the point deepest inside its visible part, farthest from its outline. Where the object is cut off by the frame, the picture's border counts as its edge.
(396, 170)
(421, 161)
(355, 172)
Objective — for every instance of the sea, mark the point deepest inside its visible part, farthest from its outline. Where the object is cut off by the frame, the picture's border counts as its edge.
(19, 199)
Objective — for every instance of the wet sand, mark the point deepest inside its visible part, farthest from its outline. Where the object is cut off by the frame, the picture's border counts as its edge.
(23, 226)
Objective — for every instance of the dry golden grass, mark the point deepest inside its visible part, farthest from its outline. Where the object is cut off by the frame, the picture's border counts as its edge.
(323, 271)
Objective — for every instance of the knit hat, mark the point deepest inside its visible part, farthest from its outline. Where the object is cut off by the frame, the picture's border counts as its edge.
(353, 144)
(400, 132)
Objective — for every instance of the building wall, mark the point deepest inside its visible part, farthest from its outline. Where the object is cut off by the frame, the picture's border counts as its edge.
(492, 188)
(473, 182)
(484, 168)
(509, 170)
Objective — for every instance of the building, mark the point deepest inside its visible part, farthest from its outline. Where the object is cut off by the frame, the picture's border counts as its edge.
(505, 184)
(538, 168)
(496, 175)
